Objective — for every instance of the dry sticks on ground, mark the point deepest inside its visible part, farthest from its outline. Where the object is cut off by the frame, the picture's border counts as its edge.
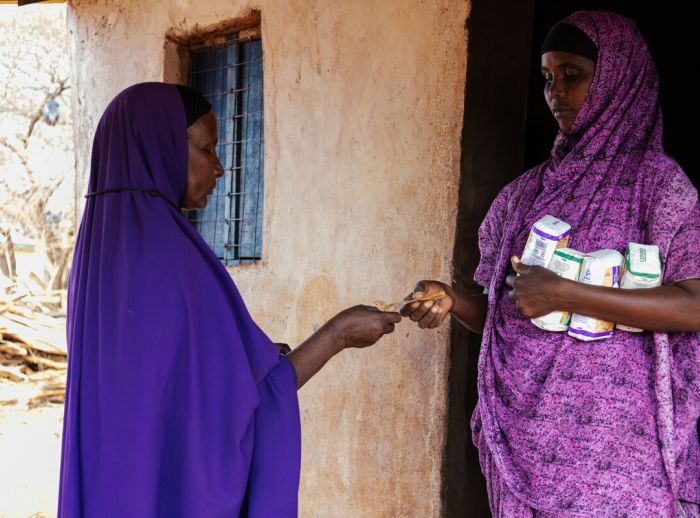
(32, 333)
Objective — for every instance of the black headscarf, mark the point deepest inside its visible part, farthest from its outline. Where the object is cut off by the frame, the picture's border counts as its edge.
(195, 104)
(565, 37)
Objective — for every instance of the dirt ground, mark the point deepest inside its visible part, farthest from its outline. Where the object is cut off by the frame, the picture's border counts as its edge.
(30, 449)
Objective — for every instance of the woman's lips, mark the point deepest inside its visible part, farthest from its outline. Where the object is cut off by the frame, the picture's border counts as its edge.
(561, 111)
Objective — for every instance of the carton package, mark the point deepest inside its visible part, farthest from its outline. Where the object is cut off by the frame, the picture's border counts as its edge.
(642, 270)
(566, 263)
(601, 268)
(546, 235)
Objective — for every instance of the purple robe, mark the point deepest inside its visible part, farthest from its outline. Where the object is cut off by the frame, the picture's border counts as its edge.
(608, 428)
(177, 404)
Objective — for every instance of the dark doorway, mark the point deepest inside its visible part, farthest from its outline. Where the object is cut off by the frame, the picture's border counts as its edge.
(508, 129)
(492, 155)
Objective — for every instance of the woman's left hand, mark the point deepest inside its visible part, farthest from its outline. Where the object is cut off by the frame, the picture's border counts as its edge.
(534, 289)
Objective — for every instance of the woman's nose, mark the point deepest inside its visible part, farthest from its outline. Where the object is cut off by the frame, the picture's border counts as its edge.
(557, 89)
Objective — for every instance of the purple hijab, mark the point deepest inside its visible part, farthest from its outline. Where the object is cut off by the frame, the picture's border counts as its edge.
(177, 404)
(599, 428)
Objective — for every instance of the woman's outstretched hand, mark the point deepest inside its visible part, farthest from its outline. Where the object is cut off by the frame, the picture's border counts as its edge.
(534, 289)
(359, 326)
(429, 314)
(362, 326)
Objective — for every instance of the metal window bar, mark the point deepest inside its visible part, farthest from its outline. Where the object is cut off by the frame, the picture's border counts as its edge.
(220, 67)
(229, 75)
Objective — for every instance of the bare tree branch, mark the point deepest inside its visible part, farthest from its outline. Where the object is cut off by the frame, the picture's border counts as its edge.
(36, 162)
(62, 86)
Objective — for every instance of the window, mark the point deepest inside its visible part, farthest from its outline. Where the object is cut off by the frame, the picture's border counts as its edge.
(229, 75)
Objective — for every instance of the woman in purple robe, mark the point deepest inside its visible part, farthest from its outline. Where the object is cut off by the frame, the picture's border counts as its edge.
(177, 404)
(605, 428)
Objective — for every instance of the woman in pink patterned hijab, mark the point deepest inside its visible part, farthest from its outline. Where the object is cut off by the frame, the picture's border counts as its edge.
(607, 428)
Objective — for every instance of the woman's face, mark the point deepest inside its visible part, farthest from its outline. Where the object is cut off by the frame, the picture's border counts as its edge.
(567, 80)
(203, 166)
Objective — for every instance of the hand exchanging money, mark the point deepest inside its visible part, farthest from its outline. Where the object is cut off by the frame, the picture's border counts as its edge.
(428, 304)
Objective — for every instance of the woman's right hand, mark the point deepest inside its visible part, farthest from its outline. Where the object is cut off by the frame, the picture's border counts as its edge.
(429, 314)
(362, 326)
(359, 326)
